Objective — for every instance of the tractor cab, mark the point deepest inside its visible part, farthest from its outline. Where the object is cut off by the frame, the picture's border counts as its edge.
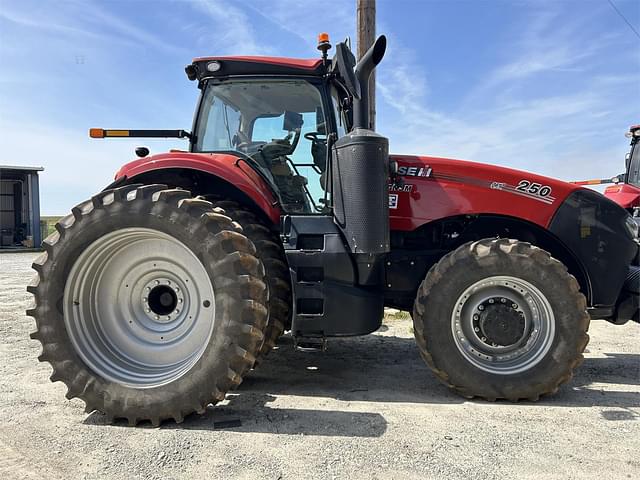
(281, 116)
(279, 125)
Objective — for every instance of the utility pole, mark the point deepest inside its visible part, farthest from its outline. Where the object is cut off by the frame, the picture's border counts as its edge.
(366, 14)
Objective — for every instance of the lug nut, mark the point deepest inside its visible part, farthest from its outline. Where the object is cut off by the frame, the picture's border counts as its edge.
(480, 307)
(491, 300)
(514, 305)
(476, 317)
(476, 329)
(503, 300)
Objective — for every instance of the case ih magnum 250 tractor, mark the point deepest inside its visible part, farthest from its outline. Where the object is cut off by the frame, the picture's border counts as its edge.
(156, 296)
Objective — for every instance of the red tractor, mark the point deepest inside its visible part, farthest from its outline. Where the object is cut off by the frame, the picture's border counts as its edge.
(157, 295)
(626, 191)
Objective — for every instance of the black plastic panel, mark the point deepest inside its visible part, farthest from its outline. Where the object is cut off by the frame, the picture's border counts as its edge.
(593, 227)
(328, 300)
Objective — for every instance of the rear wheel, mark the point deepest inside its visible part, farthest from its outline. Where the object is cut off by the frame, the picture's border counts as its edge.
(500, 318)
(150, 304)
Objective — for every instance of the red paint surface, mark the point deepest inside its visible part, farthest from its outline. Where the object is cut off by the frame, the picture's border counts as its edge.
(223, 166)
(625, 195)
(432, 198)
(435, 198)
(309, 64)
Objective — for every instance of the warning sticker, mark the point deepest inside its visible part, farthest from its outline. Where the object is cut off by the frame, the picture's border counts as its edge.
(393, 200)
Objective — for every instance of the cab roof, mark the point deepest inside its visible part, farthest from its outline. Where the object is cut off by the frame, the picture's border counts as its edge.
(251, 65)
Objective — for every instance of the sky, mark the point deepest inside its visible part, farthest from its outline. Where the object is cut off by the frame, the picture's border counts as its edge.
(544, 86)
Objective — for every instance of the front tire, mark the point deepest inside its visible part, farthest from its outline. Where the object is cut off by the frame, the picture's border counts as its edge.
(149, 304)
(500, 318)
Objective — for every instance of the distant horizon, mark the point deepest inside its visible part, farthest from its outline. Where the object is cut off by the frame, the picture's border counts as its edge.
(534, 85)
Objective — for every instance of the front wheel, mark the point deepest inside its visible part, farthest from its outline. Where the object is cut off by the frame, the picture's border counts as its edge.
(500, 318)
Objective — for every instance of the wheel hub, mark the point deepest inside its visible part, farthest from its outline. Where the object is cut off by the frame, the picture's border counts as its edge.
(503, 325)
(499, 322)
(162, 299)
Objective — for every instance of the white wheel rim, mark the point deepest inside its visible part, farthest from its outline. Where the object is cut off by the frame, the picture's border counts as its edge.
(139, 307)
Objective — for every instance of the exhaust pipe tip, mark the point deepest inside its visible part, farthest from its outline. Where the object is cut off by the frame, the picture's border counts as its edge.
(379, 49)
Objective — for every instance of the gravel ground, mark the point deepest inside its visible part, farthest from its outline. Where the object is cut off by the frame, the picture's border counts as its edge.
(368, 408)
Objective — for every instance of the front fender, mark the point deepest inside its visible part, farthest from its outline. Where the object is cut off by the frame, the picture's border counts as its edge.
(223, 166)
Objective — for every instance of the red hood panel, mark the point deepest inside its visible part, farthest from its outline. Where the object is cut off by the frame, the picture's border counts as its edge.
(625, 195)
(440, 187)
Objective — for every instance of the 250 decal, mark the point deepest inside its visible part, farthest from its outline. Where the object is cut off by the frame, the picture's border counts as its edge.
(533, 188)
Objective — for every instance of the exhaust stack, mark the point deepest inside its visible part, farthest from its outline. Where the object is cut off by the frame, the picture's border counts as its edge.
(360, 164)
(364, 68)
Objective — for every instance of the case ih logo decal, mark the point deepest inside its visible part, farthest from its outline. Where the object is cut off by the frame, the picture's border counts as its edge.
(415, 171)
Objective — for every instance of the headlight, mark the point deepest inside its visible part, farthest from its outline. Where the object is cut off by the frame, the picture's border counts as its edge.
(633, 226)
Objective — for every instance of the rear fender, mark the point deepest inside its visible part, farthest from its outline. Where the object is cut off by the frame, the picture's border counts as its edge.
(205, 174)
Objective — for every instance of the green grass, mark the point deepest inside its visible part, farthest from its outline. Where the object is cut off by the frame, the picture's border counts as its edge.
(50, 221)
(396, 315)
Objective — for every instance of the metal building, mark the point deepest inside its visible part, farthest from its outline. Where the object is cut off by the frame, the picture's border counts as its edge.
(19, 207)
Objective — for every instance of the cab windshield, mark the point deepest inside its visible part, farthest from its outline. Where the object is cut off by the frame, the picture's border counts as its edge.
(280, 125)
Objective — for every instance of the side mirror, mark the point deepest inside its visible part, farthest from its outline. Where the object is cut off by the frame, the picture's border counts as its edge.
(343, 64)
(292, 121)
(627, 161)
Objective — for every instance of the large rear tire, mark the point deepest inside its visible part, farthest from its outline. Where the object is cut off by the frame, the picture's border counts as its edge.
(149, 304)
(270, 251)
(499, 318)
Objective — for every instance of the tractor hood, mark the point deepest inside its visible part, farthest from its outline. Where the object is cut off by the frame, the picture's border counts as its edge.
(432, 188)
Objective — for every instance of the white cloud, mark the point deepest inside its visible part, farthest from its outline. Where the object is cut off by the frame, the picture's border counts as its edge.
(227, 29)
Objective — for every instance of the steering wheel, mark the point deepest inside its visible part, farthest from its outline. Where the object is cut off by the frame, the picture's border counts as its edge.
(313, 137)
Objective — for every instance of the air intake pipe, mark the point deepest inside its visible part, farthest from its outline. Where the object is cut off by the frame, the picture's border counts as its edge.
(364, 68)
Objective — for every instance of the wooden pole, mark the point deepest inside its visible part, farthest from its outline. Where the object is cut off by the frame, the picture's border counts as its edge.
(366, 14)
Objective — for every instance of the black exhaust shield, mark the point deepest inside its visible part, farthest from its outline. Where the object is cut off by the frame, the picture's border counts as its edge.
(361, 202)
